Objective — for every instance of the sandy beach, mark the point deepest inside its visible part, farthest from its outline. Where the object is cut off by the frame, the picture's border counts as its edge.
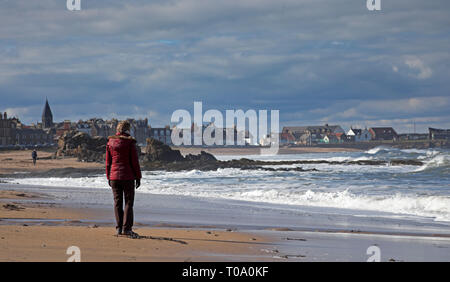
(19, 161)
(42, 231)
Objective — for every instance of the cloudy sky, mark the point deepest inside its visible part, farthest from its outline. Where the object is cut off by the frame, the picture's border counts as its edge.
(317, 61)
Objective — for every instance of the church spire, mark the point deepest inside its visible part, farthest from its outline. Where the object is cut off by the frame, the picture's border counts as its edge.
(47, 116)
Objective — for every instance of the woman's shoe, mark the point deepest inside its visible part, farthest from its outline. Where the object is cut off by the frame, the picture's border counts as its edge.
(131, 234)
(119, 231)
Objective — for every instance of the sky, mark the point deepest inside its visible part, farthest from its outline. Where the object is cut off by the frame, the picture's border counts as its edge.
(316, 61)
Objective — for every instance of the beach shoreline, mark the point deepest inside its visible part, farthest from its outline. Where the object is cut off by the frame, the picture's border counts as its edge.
(209, 236)
(34, 229)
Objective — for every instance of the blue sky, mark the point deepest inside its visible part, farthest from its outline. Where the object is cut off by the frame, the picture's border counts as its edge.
(317, 61)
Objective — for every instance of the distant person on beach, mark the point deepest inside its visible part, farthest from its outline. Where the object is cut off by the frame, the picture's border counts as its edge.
(124, 175)
(34, 156)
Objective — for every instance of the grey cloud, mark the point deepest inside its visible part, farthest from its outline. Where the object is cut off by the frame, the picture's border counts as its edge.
(296, 56)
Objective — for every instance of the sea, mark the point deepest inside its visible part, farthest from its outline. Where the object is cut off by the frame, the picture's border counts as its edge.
(419, 191)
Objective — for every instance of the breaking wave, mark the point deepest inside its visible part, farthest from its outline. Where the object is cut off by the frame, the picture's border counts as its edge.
(437, 207)
(438, 164)
(404, 189)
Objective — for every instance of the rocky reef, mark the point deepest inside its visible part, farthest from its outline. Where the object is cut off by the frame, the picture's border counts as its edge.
(82, 146)
(159, 156)
(157, 151)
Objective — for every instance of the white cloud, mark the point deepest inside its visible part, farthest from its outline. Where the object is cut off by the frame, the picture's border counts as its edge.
(424, 72)
(17, 112)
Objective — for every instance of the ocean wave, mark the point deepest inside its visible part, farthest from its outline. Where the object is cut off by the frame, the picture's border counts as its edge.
(234, 184)
(437, 207)
(380, 153)
(438, 163)
(379, 149)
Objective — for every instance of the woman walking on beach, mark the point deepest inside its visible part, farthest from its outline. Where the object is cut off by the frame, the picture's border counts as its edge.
(124, 175)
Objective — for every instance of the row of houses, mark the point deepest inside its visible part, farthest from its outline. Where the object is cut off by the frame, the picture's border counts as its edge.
(99, 127)
(140, 129)
(334, 134)
(217, 135)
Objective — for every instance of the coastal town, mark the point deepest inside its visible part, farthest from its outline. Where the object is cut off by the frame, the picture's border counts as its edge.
(13, 133)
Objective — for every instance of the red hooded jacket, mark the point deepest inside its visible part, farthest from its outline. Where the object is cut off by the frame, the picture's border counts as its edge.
(122, 161)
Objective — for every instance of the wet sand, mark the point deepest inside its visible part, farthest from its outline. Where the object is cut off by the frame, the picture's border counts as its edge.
(35, 230)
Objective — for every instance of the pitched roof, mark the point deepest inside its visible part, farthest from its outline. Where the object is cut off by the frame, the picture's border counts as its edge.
(302, 129)
(295, 128)
(383, 132)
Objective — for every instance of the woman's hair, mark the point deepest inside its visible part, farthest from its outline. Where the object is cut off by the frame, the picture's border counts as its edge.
(123, 126)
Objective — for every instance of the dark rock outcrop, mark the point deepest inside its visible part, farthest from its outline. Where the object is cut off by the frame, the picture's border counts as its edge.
(203, 156)
(157, 151)
(82, 146)
(160, 152)
(159, 156)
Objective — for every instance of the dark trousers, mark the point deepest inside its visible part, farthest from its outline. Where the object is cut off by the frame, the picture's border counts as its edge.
(121, 188)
